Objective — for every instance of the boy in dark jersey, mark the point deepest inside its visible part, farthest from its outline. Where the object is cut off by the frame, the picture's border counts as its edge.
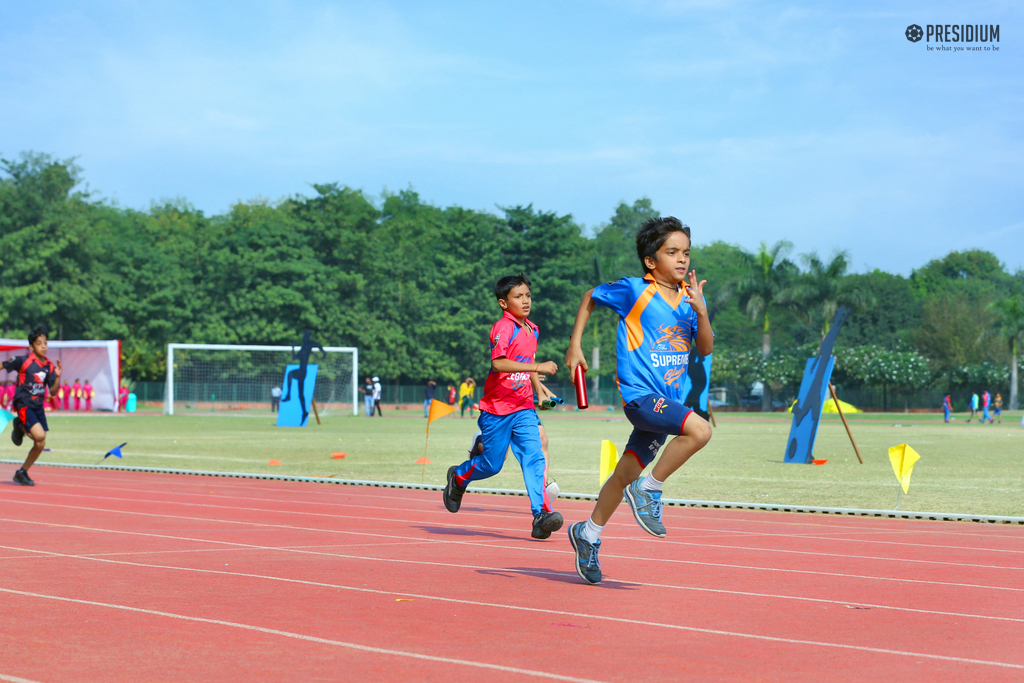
(507, 417)
(35, 375)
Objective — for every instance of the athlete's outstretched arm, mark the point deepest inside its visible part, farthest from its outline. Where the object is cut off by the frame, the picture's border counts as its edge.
(574, 356)
(504, 364)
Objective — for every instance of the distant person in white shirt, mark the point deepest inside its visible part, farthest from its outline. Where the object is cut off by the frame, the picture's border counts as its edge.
(275, 399)
(376, 397)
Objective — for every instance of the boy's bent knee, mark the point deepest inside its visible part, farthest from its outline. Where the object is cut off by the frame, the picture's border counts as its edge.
(698, 429)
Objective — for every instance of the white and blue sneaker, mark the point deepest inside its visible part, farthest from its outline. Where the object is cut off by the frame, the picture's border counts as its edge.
(477, 445)
(646, 507)
(587, 564)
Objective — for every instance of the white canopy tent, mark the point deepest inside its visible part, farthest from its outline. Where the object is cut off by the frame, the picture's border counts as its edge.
(97, 361)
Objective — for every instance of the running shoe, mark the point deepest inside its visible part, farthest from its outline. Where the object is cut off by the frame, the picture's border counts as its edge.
(477, 446)
(546, 522)
(453, 492)
(587, 564)
(646, 507)
(17, 431)
(21, 476)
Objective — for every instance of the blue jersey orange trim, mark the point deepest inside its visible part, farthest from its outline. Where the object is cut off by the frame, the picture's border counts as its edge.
(654, 338)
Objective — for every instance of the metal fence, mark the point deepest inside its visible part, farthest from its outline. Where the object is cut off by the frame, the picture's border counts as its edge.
(871, 398)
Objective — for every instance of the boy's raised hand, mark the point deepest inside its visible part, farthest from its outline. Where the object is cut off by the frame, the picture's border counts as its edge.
(695, 294)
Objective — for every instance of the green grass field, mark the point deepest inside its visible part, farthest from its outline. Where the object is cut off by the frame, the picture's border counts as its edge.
(965, 468)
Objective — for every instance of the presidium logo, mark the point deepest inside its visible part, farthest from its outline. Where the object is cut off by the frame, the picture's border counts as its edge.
(967, 36)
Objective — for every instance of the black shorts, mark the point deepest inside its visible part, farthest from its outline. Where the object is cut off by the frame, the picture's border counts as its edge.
(653, 418)
(32, 415)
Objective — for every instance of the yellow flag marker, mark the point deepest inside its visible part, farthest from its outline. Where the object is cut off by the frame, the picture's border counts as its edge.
(903, 458)
(609, 459)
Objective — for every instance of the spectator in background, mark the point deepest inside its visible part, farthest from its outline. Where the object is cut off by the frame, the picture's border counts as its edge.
(452, 394)
(88, 394)
(376, 397)
(275, 398)
(367, 391)
(997, 408)
(66, 395)
(973, 406)
(986, 399)
(122, 396)
(947, 406)
(4, 401)
(428, 396)
(466, 397)
(76, 394)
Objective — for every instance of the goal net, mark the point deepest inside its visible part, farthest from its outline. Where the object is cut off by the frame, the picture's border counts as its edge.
(205, 378)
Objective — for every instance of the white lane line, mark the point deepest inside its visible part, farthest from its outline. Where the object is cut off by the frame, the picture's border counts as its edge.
(500, 606)
(285, 527)
(312, 639)
(15, 679)
(818, 525)
(504, 529)
(510, 508)
(215, 550)
(829, 522)
(529, 572)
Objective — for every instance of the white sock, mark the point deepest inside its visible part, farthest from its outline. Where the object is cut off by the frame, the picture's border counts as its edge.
(649, 483)
(591, 532)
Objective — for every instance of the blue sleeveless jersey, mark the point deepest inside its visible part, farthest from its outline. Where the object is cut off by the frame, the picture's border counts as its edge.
(654, 338)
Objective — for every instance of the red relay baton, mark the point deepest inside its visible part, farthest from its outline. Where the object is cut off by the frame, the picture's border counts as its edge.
(580, 381)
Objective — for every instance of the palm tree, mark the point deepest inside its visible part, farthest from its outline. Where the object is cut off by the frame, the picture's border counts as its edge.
(823, 288)
(1011, 327)
(758, 291)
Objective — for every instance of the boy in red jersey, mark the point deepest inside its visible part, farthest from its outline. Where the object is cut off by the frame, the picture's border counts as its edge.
(507, 417)
(35, 375)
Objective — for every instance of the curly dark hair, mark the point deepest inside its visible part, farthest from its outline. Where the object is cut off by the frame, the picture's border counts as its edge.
(654, 233)
(37, 332)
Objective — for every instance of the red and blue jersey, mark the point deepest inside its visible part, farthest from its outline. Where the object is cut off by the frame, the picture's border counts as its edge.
(34, 377)
(654, 338)
(508, 392)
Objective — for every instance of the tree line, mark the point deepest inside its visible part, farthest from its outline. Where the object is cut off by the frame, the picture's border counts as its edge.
(411, 285)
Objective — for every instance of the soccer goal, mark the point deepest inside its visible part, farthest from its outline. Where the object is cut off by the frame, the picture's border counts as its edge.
(205, 378)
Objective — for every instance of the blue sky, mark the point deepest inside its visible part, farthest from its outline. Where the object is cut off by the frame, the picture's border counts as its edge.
(813, 122)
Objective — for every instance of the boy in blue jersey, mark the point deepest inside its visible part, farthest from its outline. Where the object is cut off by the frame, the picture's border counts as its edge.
(661, 319)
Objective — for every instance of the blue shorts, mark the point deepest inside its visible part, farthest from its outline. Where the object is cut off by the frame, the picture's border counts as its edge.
(520, 431)
(653, 418)
(32, 415)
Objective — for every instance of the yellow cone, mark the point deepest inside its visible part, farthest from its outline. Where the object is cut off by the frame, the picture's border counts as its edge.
(903, 458)
(609, 459)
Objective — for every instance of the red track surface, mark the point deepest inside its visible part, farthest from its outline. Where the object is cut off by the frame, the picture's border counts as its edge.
(117, 576)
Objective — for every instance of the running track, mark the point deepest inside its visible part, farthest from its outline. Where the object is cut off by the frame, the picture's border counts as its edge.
(118, 576)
